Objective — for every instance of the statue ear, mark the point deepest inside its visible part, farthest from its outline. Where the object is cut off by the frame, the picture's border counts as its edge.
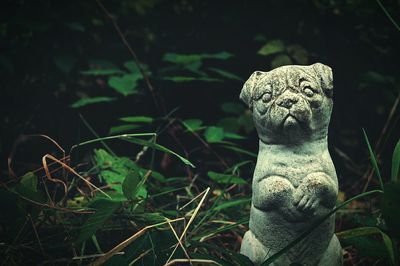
(326, 78)
(246, 95)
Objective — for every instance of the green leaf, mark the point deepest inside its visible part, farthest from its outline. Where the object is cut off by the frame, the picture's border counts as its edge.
(214, 134)
(75, 26)
(190, 58)
(229, 124)
(137, 119)
(391, 208)
(221, 55)
(226, 179)
(65, 62)
(29, 181)
(366, 231)
(233, 108)
(272, 47)
(373, 160)
(122, 128)
(104, 208)
(131, 66)
(298, 53)
(396, 163)
(102, 72)
(113, 169)
(186, 79)
(230, 135)
(181, 58)
(192, 124)
(93, 100)
(130, 185)
(126, 84)
(225, 74)
(281, 60)
(28, 187)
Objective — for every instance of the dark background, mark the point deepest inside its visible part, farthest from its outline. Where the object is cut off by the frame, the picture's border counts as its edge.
(355, 38)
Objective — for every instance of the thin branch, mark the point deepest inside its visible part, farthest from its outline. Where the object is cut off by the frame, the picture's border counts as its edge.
(136, 59)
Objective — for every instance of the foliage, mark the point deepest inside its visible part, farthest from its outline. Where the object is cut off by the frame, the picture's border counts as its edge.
(166, 170)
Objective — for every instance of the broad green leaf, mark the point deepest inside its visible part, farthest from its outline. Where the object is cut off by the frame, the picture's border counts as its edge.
(225, 74)
(230, 135)
(137, 119)
(113, 169)
(214, 134)
(125, 84)
(104, 208)
(30, 181)
(130, 185)
(281, 60)
(226, 179)
(194, 67)
(192, 124)
(365, 231)
(65, 62)
(190, 58)
(131, 66)
(396, 163)
(233, 108)
(122, 128)
(28, 187)
(102, 72)
(298, 53)
(373, 159)
(229, 124)
(93, 100)
(272, 47)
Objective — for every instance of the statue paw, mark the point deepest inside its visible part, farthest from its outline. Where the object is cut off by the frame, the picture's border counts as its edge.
(305, 201)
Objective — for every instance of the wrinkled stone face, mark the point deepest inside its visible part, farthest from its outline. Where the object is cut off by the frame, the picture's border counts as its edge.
(291, 103)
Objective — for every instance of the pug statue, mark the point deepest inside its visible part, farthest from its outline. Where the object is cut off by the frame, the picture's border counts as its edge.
(294, 181)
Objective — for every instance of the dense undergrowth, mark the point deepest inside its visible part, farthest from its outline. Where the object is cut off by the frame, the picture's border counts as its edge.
(146, 183)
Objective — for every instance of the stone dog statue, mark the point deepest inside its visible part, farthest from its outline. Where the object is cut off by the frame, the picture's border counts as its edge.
(294, 180)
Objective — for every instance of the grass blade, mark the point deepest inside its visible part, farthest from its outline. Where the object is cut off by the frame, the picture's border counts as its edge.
(373, 159)
(396, 163)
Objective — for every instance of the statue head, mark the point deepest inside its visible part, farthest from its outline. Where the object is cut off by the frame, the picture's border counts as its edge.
(290, 104)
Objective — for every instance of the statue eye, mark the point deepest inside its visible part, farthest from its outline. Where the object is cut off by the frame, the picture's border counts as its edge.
(266, 97)
(308, 91)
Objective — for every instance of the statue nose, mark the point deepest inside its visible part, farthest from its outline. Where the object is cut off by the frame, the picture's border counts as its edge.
(287, 102)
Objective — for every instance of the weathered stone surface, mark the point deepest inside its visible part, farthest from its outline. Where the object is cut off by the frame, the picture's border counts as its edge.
(294, 180)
